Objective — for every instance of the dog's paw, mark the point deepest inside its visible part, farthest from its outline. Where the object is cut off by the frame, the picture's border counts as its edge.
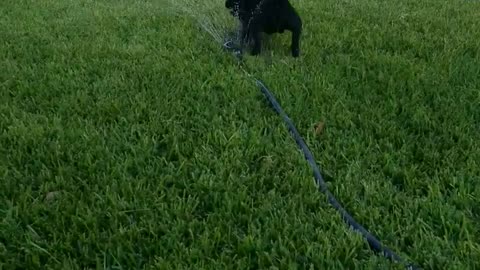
(295, 53)
(255, 52)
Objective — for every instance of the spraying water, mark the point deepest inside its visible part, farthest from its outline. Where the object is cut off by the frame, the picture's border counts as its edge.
(216, 20)
(211, 15)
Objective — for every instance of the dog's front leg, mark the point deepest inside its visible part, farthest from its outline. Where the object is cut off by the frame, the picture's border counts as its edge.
(243, 36)
(257, 42)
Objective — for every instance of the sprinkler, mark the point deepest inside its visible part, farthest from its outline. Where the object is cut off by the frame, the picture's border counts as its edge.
(229, 45)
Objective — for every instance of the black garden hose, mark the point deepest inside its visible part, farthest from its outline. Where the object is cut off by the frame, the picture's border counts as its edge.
(373, 242)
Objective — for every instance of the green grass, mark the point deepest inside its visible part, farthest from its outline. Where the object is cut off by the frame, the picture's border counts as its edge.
(129, 140)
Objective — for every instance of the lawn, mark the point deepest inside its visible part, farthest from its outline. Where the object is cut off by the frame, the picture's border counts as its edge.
(130, 140)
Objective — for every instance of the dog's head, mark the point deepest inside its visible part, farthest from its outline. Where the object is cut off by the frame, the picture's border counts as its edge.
(233, 5)
(230, 4)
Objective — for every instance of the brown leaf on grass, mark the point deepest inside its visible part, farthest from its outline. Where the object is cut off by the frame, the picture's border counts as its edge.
(319, 128)
(52, 195)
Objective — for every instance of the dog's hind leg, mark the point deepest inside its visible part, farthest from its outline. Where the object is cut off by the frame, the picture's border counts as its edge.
(295, 26)
(296, 43)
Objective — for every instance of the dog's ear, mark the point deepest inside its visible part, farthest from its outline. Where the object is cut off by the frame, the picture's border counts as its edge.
(229, 4)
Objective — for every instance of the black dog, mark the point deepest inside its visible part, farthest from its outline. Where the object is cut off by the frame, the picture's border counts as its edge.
(267, 16)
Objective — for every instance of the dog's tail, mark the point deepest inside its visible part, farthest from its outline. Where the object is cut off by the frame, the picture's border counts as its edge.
(273, 2)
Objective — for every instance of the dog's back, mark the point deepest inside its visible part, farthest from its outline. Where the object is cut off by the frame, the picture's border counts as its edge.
(269, 16)
(277, 16)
